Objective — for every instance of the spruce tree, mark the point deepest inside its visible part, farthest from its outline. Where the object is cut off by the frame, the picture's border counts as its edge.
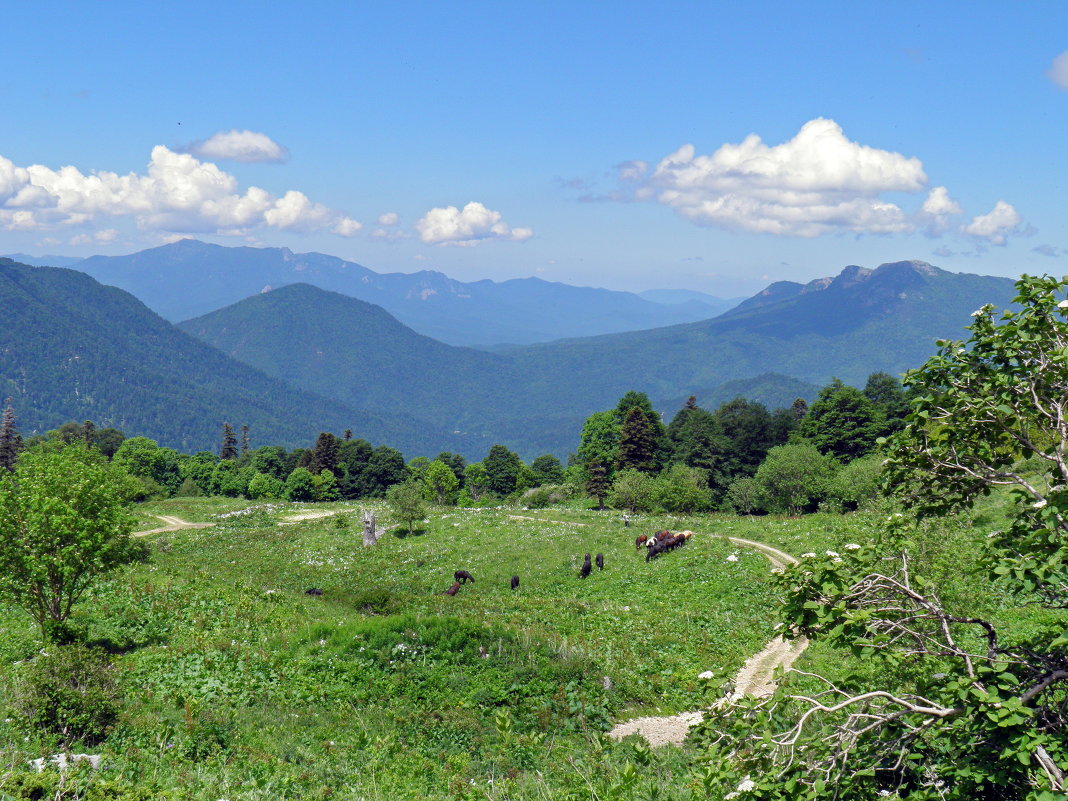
(348, 434)
(229, 443)
(325, 454)
(598, 485)
(89, 432)
(10, 439)
(637, 443)
(244, 439)
(799, 408)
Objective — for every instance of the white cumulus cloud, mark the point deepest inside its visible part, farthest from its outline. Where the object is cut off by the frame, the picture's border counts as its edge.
(1058, 70)
(467, 227)
(995, 226)
(177, 194)
(938, 208)
(246, 146)
(389, 218)
(818, 182)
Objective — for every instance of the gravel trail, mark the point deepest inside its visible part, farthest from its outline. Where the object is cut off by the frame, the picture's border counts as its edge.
(755, 677)
(173, 524)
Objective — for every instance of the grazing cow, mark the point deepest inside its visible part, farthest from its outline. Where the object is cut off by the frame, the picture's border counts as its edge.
(662, 535)
(639, 541)
(515, 582)
(655, 549)
(313, 591)
(600, 561)
(586, 567)
(687, 534)
(463, 577)
(455, 588)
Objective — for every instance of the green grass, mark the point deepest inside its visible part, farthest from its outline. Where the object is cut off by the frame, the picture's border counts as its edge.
(239, 685)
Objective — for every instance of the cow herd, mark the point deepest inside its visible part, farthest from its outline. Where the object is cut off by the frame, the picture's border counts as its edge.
(657, 544)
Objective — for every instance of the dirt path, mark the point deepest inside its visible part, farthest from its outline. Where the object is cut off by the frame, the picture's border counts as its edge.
(173, 524)
(755, 677)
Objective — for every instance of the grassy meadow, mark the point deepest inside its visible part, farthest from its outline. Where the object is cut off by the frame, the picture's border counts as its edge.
(236, 684)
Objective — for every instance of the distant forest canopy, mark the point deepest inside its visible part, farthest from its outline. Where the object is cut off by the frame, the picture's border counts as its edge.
(700, 460)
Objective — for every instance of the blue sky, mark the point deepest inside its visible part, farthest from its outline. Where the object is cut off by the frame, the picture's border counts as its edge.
(501, 140)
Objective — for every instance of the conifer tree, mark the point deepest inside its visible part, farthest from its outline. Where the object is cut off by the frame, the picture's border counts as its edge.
(799, 408)
(637, 443)
(598, 484)
(348, 434)
(10, 439)
(89, 432)
(229, 443)
(325, 454)
(244, 439)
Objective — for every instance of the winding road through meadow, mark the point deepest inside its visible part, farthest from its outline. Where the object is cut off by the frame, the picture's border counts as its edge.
(756, 677)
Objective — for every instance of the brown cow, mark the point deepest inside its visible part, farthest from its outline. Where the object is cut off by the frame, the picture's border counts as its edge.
(639, 541)
(455, 588)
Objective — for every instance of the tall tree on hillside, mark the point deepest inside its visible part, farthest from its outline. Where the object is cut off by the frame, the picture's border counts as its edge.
(244, 439)
(598, 485)
(842, 422)
(600, 439)
(697, 441)
(456, 463)
(748, 427)
(502, 469)
(89, 433)
(229, 443)
(10, 439)
(799, 408)
(637, 443)
(639, 400)
(889, 397)
(347, 435)
(325, 454)
(108, 440)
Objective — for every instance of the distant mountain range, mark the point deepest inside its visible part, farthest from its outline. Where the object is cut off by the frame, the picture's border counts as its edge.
(300, 359)
(480, 313)
(534, 398)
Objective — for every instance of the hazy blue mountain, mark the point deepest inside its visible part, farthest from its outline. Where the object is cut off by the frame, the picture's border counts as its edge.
(518, 311)
(72, 349)
(678, 297)
(534, 398)
(43, 261)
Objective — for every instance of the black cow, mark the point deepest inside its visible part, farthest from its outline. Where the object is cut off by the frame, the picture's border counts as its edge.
(463, 577)
(515, 582)
(587, 568)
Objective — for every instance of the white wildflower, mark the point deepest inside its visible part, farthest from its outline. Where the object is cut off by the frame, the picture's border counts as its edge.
(732, 558)
(1063, 304)
(705, 675)
(851, 546)
(978, 312)
(832, 553)
(808, 555)
(1039, 504)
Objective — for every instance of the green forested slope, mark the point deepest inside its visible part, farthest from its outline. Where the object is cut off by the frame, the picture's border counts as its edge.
(71, 348)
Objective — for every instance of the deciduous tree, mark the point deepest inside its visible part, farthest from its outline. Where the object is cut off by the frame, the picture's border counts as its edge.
(63, 526)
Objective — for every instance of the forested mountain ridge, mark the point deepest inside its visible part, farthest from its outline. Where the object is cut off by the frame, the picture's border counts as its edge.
(517, 311)
(74, 349)
(534, 398)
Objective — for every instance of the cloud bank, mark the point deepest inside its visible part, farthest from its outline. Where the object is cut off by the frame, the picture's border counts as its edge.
(247, 146)
(467, 227)
(178, 193)
(819, 182)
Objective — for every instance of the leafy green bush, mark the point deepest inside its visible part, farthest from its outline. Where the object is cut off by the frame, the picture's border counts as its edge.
(632, 490)
(682, 489)
(70, 692)
(545, 495)
(857, 484)
(793, 478)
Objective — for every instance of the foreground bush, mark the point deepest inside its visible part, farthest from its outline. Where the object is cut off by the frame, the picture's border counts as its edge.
(70, 693)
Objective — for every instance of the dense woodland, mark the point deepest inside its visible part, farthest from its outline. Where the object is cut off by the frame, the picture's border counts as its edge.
(740, 457)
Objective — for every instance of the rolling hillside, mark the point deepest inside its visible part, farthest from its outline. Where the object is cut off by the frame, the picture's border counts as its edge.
(72, 349)
(534, 398)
